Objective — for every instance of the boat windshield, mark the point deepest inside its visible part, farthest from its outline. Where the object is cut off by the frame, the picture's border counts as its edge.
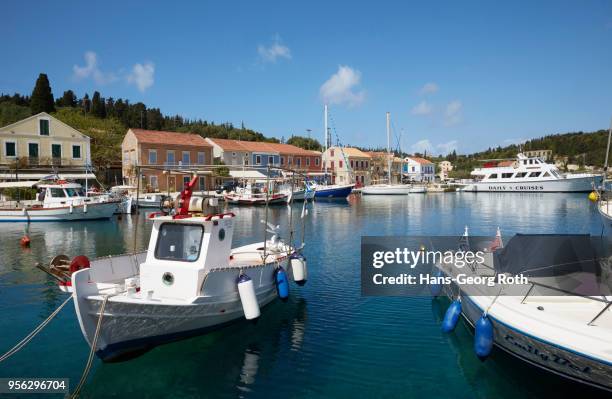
(75, 192)
(181, 242)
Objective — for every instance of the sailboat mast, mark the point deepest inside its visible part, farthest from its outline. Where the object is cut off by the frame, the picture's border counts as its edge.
(325, 140)
(389, 162)
(607, 154)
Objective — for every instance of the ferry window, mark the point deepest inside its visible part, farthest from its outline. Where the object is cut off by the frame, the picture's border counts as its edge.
(179, 242)
(57, 193)
(521, 174)
(535, 174)
(546, 174)
(506, 175)
(493, 176)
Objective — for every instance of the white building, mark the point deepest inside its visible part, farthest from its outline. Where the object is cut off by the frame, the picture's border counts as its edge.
(445, 167)
(419, 169)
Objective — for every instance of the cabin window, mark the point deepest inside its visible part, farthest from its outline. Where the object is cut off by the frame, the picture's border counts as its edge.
(546, 174)
(10, 149)
(76, 152)
(57, 193)
(507, 175)
(257, 159)
(179, 242)
(43, 127)
(521, 174)
(535, 174)
(73, 192)
(493, 176)
(201, 158)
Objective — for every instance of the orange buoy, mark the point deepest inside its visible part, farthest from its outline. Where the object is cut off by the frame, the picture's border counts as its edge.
(25, 241)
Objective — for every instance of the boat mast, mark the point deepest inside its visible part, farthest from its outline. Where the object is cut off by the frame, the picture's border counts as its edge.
(325, 140)
(389, 162)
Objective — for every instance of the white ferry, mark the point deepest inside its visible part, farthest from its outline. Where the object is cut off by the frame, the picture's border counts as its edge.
(529, 175)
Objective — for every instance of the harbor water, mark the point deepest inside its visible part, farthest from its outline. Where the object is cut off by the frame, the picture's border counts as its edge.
(326, 341)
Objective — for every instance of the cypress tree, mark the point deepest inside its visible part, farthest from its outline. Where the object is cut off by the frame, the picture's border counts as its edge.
(42, 97)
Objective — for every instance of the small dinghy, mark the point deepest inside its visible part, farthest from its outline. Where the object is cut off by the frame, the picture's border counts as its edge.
(190, 281)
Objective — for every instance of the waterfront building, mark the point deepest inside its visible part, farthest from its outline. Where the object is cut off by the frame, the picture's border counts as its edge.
(419, 169)
(171, 149)
(380, 165)
(348, 165)
(41, 145)
(445, 167)
(546, 155)
(261, 154)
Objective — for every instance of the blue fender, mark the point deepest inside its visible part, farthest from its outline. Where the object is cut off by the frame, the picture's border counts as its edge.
(483, 337)
(282, 283)
(451, 317)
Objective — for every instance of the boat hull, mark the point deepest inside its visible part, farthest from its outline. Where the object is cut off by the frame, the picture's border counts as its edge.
(605, 212)
(545, 355)
(275, 199)
(386, 189)
(566, 185)
(333, 191)
(103, 210)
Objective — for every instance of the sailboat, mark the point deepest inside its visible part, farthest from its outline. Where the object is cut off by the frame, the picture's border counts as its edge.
(604, 200)
(387, 189)
(327, 190)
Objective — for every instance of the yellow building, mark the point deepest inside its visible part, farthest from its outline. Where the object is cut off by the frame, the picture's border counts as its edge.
(347, 165)
(42, 144)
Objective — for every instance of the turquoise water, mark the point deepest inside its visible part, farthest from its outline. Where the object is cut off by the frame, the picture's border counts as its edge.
(326, 341)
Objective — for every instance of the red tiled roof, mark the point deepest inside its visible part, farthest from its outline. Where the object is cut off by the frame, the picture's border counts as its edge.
(239, 145)
(422, 161)
(162, 137)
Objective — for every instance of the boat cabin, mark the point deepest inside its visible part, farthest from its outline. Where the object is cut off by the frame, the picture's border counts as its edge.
(521, 169)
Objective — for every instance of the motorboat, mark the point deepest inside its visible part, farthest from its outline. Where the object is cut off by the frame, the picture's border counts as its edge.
(149, 200)
(56, 200)
(559, 320)
(333, 190)
(528, 174)
(256, 194)
(188, 282)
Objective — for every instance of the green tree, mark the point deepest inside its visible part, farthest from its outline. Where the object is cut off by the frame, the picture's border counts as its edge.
(42, 97)
(68, 99)
(97, 105)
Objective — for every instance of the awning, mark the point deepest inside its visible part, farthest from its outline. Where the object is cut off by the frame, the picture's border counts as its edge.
(38, 176)
(246, 174)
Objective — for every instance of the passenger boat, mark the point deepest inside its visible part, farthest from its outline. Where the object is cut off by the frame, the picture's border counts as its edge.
(57, 200)
(560, 320)
(526, 174)
(188, 282)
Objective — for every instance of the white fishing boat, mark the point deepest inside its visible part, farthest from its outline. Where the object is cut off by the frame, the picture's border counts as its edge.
(149, 200)
(256, 194)
(124, 193)
(526, 174)
(556, 321)
(57, 200)
(189, 281)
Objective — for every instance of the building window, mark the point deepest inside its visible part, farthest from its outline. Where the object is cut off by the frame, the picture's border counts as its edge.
(56, 151)
(367, 163)
(153, 181)
(202, 183)
(282, 160)
(233, 155)
(270, 160)
(298, 162)
(170, 158)
(352, 164)
(317, 161)
(331, 153)
(186, 180)
(332, 164)
(152, 156)
(308, 161)
(186, 158)
(340, 164)
(257, 159)
(43, 127)
(33, 150)
(201, 158)
(10, 149)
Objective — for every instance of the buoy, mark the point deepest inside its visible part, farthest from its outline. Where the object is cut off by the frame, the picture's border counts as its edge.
(25, 241)
(593, 196)
(451, 317)
(299, 269)
(483, 337)
(246, 291)
(282, 284)
(78, 263)
(436, 287)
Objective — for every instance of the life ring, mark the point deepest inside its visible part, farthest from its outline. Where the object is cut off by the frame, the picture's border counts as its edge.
(78, 263)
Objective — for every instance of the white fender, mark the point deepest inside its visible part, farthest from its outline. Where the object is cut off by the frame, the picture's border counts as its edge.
(299, 269)
(246, 291)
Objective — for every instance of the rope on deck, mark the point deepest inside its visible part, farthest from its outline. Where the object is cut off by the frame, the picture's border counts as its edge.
(34, 332)
(92, 352)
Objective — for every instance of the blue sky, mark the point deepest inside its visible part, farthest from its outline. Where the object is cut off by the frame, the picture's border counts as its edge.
(464, 75)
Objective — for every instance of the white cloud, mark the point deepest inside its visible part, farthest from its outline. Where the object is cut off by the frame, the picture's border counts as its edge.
(343, 88)
(273, 52)
(448, 147)
(422, 108)
(91, 70)
(454, 113)
(422, 146)
(142, 76)
(429, 88)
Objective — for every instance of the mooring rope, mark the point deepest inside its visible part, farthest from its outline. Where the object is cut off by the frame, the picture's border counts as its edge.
(34, 332)
(92, 352)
